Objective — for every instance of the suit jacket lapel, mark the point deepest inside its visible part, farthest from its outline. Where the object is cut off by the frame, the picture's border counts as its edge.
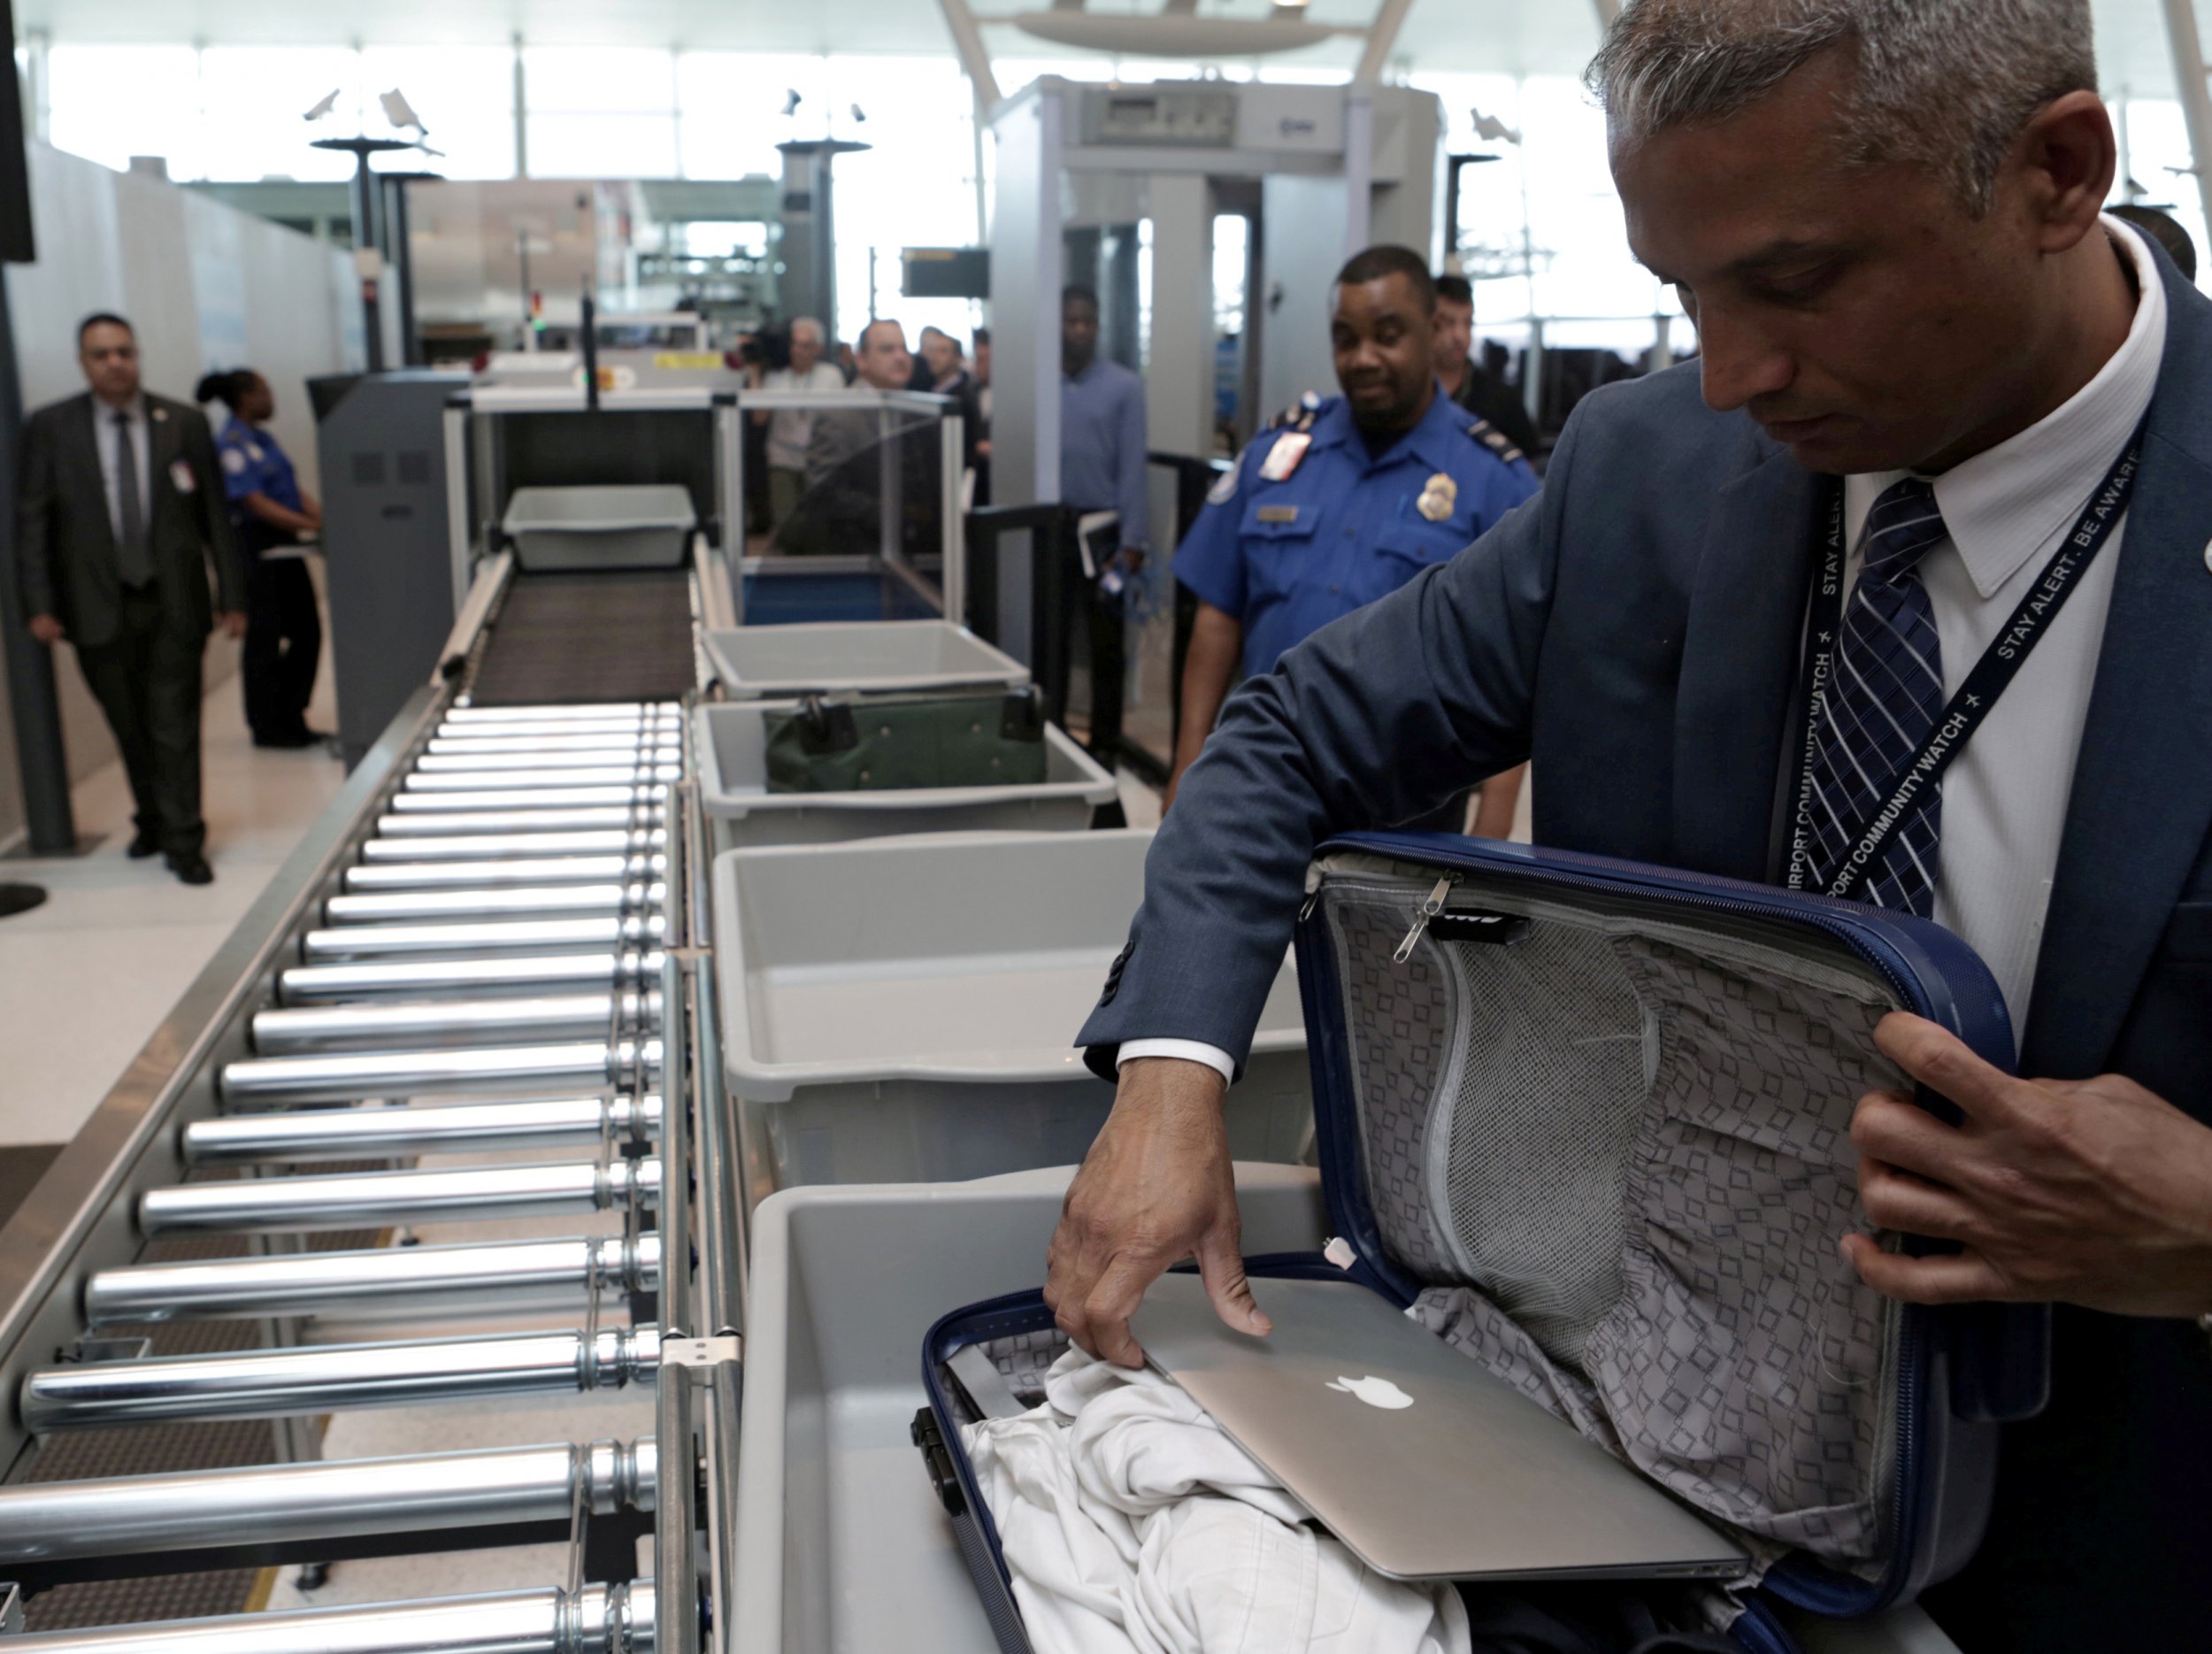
(1740, 650)
(2142, 795)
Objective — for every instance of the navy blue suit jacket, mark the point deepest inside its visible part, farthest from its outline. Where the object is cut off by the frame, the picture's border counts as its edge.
(1635, 630)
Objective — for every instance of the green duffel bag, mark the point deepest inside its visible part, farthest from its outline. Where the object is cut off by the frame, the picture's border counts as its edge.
(875, 744)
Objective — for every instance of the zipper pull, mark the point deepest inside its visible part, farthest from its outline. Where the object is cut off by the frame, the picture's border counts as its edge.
(1430, 909)
(1305, 910)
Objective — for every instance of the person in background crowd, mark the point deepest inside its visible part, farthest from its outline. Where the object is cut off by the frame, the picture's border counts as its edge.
(982, 416)
(119, 520)
(941, 365)
(274, 520)
(1462, 378)
(790, 430)
(882, 363)
(1102, 469)
(1344, 505)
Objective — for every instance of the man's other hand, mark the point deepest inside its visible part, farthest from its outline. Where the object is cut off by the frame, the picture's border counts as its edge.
(1155, 1189)
(46, 628)
(2091, 1192)
(233, 621)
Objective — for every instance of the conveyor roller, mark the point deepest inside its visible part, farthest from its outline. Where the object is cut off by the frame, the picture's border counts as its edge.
(547, 869)
(274, 1504)
(611, 795)
(513, 976)
(373, 1134)
(609, 748)
(559, 712)
(488, 1021)
(289, 1384)
(506, 835)
(496, 1070)
(482, 938)
(370, 1200)
(593, 1619)
(478, 776)
(429, 1279)
(401, 907)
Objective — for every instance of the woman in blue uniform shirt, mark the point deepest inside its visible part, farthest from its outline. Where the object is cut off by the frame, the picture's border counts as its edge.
(275, 521)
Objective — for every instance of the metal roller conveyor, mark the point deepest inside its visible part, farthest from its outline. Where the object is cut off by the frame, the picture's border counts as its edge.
(395, 1129)
(557, 760)
(455, 1022)
(481, 783)
(485, 936)
(625, 795)
(368, 1200)
(423, 1279)
(594, 729)
(547, 900)
(522, 977)
(492, 1070)
(504, 835)
(288, 1383)
(593, 1619)
(340, 1499)
(549, 869)
(608, 747)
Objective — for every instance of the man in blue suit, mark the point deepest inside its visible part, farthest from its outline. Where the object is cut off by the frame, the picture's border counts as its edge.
(1926, 357)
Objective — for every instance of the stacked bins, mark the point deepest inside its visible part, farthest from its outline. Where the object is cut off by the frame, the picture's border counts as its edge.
(475, 1033)
(901, 1010)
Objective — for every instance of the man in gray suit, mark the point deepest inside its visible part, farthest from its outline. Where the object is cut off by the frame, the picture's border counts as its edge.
(1926, 357)
(120, 520)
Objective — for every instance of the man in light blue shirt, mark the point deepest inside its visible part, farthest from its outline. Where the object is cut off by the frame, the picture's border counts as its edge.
(1102, 469)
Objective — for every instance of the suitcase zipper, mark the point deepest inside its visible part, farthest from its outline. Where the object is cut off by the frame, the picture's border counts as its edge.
(1430, 909)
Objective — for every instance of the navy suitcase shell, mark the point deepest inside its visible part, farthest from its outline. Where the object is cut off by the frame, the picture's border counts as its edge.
(1590, 1118)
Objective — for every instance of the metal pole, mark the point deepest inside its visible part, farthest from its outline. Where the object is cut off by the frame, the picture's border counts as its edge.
(396, 942)
(374, 1133)
(2196, 102)
(403, 874)
(676, 1304)
(506, 836)
(372, 1200)
(676, 1604)
(578, 899)
(496, 1070)
(534, 974)
(286, 1383)
(726, 1391)
(271, 1504)
(417, 1280)
(332, 1028)
(33, 703)
(595, 1619)
(721, 1307)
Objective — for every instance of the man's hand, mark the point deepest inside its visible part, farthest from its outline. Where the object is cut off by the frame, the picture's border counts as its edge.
(1155, 1190)
(233, 621)
(2091, 1192)
(46, 628)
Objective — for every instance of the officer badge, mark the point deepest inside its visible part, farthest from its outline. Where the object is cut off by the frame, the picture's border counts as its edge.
(1438, 494)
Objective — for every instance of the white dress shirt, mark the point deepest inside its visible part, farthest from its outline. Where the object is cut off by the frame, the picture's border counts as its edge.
(104, 432)
(2006, 509)
(790, 429)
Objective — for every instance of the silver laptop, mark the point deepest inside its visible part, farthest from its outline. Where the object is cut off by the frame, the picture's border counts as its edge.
(1422, 1463)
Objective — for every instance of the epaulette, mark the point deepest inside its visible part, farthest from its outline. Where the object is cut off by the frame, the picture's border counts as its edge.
(1496, 441)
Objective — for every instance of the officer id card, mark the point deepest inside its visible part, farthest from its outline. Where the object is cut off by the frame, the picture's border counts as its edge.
(1283, 458)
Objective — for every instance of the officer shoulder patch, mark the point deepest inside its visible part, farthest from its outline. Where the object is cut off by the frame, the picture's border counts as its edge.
(233, 462)
(1224, 487)
(1496, 441)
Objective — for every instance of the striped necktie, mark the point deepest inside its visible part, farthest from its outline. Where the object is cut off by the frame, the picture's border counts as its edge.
(1883, 700)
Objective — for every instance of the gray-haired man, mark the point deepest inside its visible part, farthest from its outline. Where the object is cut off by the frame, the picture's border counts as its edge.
(790, 429)
(1883, 217)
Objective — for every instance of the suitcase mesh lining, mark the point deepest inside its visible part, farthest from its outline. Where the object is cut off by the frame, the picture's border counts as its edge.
(1640, 1153)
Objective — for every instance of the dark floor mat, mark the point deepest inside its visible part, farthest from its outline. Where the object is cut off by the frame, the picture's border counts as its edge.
(566, 638)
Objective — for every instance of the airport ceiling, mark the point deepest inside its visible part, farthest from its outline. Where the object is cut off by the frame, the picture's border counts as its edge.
(1509, 36)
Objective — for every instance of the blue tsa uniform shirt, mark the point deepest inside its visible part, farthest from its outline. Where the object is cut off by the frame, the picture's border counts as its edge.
(1309, 527)
(253, 463)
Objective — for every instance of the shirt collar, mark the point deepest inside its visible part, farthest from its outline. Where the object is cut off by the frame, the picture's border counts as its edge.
(2006, 504)
(135, 410)
(1430, 441)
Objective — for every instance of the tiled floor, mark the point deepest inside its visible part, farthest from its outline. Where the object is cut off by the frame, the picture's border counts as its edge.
(89, 975)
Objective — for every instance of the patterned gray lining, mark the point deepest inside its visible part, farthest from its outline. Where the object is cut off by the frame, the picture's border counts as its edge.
(1707, 1330)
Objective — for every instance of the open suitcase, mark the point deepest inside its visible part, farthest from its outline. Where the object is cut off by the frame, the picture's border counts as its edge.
(1657, 1264)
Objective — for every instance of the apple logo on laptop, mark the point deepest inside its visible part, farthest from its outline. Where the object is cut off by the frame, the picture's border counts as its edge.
(1374, 1392)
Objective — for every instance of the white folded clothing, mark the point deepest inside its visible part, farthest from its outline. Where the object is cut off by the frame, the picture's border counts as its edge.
(1131, 1525)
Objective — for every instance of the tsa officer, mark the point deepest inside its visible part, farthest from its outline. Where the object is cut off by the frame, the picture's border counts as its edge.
(274, 519)
(1345, 502)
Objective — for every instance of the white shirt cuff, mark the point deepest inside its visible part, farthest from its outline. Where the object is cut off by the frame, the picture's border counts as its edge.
(1187, 1051)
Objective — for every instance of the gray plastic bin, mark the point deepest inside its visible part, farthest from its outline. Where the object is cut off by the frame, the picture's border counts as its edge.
(867, 657)
(601, 526)
(902, 1008)
(841, 1545)
(733, 748)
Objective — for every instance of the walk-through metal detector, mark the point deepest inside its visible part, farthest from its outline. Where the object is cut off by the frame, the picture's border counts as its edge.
(1319, 171)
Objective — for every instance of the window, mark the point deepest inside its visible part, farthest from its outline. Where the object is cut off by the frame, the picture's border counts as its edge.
(600, 112)
(110, 102)
(252, 101)
(465, 94)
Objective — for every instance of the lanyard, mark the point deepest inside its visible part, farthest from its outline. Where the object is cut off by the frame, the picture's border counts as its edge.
(2000, 663)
